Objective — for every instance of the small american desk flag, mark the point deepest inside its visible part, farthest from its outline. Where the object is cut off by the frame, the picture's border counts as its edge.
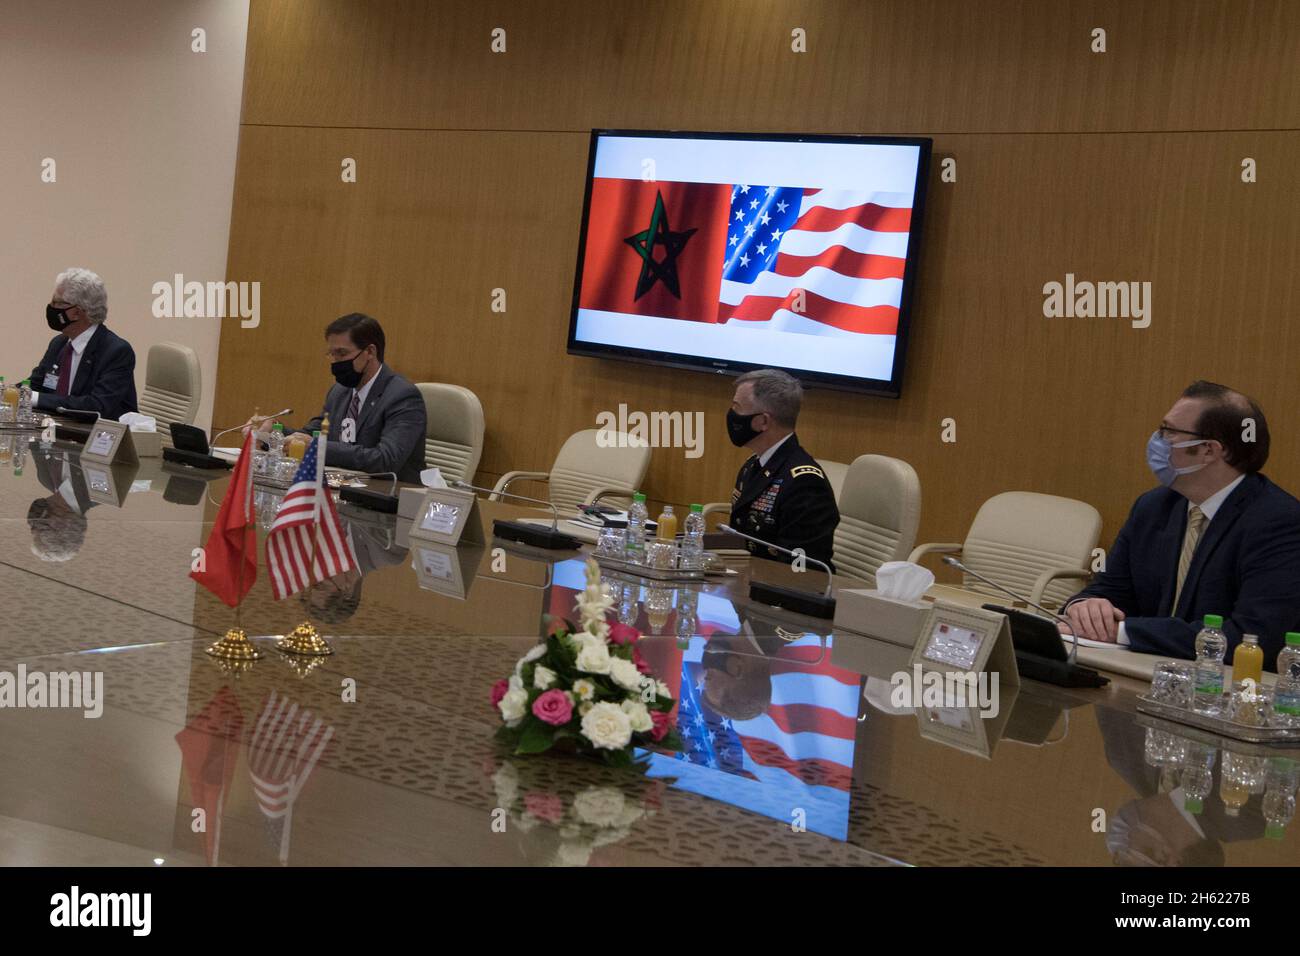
(307, 511)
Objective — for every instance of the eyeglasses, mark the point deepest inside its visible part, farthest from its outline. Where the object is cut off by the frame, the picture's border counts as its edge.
(339, 355)
(1168, 432)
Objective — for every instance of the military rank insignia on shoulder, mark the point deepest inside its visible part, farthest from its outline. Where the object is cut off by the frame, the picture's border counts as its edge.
(806, 470)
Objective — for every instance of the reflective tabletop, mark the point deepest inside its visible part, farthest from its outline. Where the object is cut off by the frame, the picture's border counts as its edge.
(795, 750)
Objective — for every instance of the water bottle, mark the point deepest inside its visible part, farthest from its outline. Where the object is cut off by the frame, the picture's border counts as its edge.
(275, 444)
(1207, 684)
(1279, 797)
(693, 540)
(1198, 776)
(1286, 692)
(636, 519)
(6, 410)
(25, 402)
(687, 615)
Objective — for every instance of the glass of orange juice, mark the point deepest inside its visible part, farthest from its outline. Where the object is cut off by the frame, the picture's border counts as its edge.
(295, 447)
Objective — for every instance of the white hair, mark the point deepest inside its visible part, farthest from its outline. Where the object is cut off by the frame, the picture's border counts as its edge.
(86, 289)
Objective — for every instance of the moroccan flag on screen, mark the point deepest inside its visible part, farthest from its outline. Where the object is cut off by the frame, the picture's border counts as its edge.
(232, 545)
(655, 248)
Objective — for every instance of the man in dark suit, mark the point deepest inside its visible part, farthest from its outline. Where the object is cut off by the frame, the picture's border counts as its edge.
(781, 494)
(86, 366)
(58, 522)
(1217, 538)
(377, 418)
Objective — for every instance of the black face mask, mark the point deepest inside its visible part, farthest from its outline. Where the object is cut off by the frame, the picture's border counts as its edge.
(345, 373)
(57, 319)
(740, 428)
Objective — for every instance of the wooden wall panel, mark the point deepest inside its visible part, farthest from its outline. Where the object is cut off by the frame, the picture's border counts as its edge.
(872, 65)
(440, 217)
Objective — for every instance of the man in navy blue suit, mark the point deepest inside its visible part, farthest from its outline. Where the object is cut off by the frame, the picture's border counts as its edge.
(1217, 538)
(86, 367)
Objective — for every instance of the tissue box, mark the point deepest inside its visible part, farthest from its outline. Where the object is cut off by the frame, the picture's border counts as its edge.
(865, 611)
(147, 444)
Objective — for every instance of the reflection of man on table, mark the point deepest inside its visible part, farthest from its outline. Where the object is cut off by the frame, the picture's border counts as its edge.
(336, 599)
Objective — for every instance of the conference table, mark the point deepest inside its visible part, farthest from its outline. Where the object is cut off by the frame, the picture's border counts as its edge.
(385, 753)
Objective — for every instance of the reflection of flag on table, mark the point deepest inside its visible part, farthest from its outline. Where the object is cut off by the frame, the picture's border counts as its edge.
(209, 747)
(307, 512)
(283, 751)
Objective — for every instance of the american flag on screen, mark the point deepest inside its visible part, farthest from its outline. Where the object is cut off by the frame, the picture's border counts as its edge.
(817, 261)
(307, 511)
(285, 746)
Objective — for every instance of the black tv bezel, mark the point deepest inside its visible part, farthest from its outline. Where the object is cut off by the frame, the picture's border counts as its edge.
(888, 388)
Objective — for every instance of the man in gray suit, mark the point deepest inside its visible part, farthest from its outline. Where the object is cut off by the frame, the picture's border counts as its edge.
(377, 418)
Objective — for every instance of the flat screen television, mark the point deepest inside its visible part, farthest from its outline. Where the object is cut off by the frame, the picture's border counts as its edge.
(727, 252)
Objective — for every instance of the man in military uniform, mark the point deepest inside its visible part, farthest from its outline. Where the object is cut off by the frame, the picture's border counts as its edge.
(781, 495)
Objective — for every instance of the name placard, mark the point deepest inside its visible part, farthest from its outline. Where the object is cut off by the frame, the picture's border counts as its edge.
(109, 443)
(447, 516)
(957, 639)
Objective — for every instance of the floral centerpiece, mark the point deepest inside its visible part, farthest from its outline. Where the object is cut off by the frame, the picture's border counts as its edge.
(586, 688)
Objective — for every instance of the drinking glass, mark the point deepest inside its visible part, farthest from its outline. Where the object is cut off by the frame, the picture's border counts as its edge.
(1171, 683)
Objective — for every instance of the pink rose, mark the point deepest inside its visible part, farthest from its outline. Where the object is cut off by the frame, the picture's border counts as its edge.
(662, 722)
(621, 633)
(553, 707)
(640, 663)
(544, 806)
(499, 690)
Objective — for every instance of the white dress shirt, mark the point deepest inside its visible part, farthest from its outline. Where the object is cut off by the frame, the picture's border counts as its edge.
(78, 346)
(364, 390)
(764, 458)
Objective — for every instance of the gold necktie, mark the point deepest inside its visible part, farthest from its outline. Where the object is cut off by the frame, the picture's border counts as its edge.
(1191, 538)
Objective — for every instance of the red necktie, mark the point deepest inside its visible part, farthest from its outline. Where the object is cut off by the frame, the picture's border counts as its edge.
(65, 369)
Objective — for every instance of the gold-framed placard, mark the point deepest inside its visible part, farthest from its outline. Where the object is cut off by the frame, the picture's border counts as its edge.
(109, 443)
(447, 516)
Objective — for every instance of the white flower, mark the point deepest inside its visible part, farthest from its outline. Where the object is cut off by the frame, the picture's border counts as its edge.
(525, 821)
(607, 727)
(663, 690)
(543, 677)
(593, 658)
(573, 854)
(528, 658)
(516, 682)
(584, 708)
(593, 603)
(594, 630)
(584, 689)
(514, 704)
(599, 806)
(638, 715)
(624, 673)
(506, 782)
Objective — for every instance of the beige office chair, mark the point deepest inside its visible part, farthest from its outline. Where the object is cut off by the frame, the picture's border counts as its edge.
(453, 433)
(1036, 545)
(172, 387)
(880, 509)
(586, 470)
(835, 472)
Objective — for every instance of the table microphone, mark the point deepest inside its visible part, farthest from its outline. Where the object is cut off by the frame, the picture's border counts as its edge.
(802, 602)
(283, 411)
(374, 500)
(552, 539)
(1074, 650)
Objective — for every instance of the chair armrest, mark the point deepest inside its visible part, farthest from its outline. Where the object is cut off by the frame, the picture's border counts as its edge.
(606, 491)
(716, 507)
(511, 476)
(1055, 574)
(921, 550)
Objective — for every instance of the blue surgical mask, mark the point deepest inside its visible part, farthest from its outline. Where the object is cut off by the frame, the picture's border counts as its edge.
(1158, 452)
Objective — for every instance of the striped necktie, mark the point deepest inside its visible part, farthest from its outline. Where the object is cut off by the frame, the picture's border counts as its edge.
(1191, 538)
(355, 408)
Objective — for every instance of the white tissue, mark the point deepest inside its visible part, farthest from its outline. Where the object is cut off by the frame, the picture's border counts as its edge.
(432, 478)
(903, 581)
(139, 423)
